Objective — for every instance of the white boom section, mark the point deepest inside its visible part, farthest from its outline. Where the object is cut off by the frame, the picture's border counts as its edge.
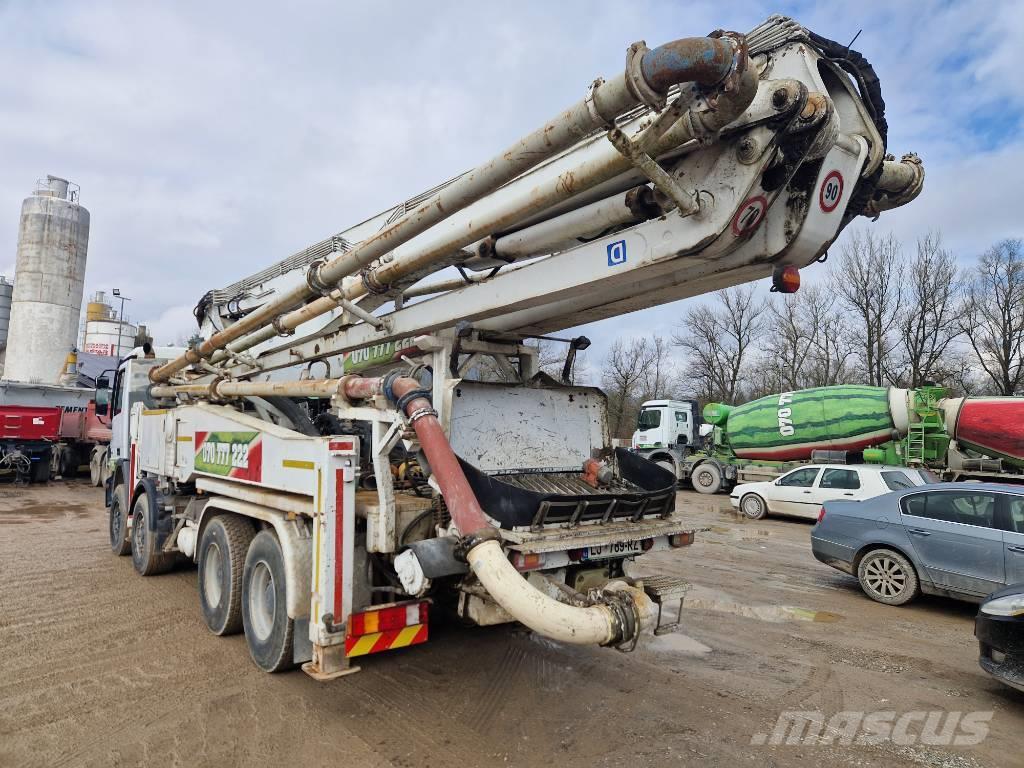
(774, 187)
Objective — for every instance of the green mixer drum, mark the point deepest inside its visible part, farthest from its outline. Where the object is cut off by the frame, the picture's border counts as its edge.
(790, 425)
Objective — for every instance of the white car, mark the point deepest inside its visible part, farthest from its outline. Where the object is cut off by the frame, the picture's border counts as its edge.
(801, 492)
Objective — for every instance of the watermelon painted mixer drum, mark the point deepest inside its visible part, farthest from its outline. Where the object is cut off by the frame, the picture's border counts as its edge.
(789, 425)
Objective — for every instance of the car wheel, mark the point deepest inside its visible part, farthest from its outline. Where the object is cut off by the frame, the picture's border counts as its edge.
(707, 478)
(888, 577)
(753, 506)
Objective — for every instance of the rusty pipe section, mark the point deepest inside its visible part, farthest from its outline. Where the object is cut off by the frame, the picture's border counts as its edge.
(603, 104)
(223, 389)
(704, 60)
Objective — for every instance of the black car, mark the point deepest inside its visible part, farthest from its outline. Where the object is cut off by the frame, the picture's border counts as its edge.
(999, 628)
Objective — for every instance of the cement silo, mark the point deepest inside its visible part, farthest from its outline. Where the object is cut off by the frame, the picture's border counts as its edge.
(5, 309)
(53, 238)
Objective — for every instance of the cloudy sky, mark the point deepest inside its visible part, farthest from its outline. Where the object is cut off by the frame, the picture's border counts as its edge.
(211, 139)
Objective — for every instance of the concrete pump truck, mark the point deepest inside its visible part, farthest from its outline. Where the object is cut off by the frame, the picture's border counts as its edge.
(276, 452)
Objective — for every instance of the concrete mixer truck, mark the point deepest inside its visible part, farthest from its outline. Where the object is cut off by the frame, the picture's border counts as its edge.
(959, 438)
(706, 162)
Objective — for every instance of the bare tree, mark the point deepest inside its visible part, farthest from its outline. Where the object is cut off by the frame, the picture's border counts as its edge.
(993, 318)
(869, 281)
(834, 345)
(626, 369)
(791, 336)
(659, 376)
(807, 343)
(930, 320)
(719, 341)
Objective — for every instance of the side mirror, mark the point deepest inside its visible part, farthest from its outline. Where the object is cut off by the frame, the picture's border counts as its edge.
(101, 399)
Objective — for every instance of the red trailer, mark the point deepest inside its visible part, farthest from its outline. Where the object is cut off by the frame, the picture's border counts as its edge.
(28, 435)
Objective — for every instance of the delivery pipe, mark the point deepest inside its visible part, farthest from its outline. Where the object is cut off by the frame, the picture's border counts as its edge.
(564, 231)
(714, 61)
(604, 163)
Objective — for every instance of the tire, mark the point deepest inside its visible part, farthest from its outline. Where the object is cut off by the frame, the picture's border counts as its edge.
(117, 525)
(147, 559)
(221, 559)
(707, 478)
(753, 506)
(888, 577)
(96, 473)
(40, 472)
(68, 464)
(268, 630)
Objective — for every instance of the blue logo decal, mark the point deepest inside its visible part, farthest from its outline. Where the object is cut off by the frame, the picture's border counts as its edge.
(616, 253)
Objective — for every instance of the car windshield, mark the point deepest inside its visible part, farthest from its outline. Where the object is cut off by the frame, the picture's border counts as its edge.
(649, 419)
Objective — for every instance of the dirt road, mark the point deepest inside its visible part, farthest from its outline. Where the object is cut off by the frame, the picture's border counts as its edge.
(101, 667)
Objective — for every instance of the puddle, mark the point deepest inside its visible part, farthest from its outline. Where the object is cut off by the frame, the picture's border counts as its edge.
(773, 613)
(42, 513)
(676, 643)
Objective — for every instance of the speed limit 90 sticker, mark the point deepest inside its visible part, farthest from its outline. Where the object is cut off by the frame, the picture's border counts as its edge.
(831, 191)
(749, 215)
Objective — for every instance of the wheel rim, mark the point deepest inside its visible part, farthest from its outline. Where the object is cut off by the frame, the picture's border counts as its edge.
(115, 524)
(885, 577)
(139, 534)
(705, 478)
(262, 601)
(212, 586)
(752, 506)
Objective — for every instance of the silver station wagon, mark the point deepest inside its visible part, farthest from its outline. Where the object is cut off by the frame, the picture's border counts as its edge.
(963, 540)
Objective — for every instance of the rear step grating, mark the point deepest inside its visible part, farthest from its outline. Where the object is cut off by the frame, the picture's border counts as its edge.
(662, 589)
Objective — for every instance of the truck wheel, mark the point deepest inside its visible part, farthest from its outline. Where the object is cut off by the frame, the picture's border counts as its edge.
(753, 506)
(888, 577)
(146, 557)
(118, 521)
(96, 464)
(68, 464)
(221, 559)
(707, 478)
(268, 630)
(40, 472)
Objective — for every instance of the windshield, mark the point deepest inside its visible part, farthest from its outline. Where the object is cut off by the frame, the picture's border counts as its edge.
(649, 419)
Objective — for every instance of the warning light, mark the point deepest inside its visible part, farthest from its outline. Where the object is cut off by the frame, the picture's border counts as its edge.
(786, 279)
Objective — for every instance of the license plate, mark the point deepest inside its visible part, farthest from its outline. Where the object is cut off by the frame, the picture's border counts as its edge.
(615, 549)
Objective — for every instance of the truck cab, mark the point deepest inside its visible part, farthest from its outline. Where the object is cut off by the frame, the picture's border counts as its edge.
(666, 431)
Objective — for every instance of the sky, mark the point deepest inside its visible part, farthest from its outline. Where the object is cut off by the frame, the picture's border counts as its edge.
(213, 139)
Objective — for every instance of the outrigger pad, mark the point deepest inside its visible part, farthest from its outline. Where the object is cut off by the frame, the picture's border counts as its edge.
(536, 497)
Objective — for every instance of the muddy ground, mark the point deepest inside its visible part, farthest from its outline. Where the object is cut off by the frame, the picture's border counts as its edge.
(101, 667)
